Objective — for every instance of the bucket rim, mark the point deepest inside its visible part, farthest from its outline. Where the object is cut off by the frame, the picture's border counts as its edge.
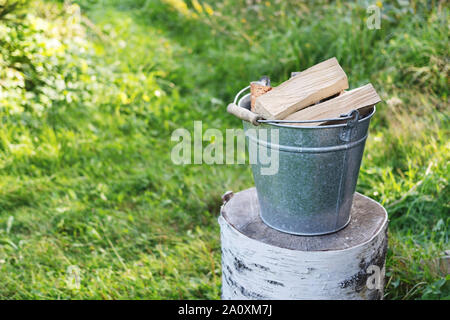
(339, 125)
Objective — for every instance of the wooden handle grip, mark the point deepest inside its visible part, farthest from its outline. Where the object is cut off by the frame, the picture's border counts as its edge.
(244, 114)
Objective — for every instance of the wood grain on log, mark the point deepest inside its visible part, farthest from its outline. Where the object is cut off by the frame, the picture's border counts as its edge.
(312, 85)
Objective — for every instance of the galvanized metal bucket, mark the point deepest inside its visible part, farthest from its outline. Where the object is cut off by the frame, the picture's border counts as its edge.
(312, 191)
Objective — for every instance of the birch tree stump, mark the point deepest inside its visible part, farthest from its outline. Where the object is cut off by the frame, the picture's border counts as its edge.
(259, 262)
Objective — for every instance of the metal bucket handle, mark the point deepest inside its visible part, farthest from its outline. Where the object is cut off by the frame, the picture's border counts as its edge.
(242, 113)
(255, 119)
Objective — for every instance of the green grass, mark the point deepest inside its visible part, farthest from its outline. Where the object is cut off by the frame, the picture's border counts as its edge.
(90, 183)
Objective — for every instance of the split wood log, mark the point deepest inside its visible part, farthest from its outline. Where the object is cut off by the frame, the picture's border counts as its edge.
(304, 89)
(361, 98)
(259, 262)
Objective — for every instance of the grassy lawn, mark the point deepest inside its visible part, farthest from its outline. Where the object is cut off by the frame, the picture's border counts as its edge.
(86, 178)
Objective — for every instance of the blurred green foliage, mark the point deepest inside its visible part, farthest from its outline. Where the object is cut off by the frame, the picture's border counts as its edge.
(44, 61)
(89, 98)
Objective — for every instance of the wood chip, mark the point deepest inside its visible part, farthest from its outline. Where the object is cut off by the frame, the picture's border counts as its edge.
(258, 88)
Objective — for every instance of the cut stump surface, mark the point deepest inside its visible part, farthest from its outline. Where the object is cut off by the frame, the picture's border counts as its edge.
(259, 262)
